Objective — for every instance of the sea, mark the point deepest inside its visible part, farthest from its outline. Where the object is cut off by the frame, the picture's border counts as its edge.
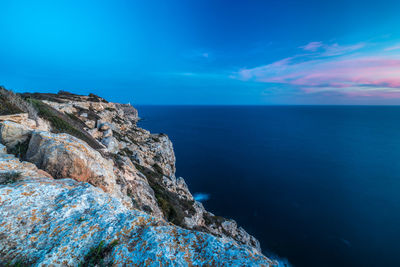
(316, 185)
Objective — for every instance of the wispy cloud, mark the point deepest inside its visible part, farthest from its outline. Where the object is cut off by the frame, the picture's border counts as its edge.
(337, 50)
(345, 69)
(391, 48)
(331, 49)
(312, 46)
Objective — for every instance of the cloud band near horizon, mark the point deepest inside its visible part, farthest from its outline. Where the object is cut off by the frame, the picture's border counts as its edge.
(344, 69)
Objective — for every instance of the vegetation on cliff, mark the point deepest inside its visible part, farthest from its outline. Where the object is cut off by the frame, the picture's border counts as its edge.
(91, 140)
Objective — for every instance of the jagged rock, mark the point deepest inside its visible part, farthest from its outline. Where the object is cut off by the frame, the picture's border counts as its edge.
(10, 164)
(3, 149)
(238, 233)
(129, 112)
(111, 143)
(23, 119)
(12, 134)
(90, 123)
(63, 156)
(136, 157)
(46, 222)
(197, 218)
(95, 133)
(138, 188)
(105, 126)
(107, 133)
(177, 186)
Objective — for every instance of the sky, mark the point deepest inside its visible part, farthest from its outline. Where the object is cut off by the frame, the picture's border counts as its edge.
(205, 52)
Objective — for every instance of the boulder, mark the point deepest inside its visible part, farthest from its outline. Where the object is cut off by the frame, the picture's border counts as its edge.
(111, 144)
(63, 155)
(107, 133)
(13, 167)
(12, 134)
(105, 126)
(23, 119)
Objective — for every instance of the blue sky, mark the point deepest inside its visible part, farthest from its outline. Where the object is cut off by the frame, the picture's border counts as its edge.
(205, 52)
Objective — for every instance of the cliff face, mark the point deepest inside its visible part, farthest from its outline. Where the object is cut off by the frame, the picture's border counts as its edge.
(130, 193)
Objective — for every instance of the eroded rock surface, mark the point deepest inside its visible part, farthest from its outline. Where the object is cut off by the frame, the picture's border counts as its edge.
(58, 222)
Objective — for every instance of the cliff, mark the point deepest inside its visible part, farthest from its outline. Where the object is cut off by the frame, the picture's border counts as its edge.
(82, 183)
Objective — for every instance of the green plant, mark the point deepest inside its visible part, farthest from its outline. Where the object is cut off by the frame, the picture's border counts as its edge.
(96, 255)
(18, 263)
(62, 123)
(9, 177)
(12, 103)
(174, 208)
(20, 149)
(81, 219)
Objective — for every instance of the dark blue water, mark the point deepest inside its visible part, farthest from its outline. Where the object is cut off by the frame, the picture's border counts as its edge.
(319, 185)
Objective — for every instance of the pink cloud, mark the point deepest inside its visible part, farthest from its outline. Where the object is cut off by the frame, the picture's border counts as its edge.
(336, 49)
(363, 75)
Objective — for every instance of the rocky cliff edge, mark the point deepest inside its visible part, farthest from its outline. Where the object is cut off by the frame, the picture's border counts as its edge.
(122, 202)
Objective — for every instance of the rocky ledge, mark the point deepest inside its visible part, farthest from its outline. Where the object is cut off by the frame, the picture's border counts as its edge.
(121, 204)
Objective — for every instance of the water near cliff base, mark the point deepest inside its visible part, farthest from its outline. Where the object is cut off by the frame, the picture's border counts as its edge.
(319, 185)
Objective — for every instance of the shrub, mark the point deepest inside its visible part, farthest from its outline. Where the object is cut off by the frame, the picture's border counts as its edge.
(96, 255)
(9, 177)
(18, 263)
(20, 149)
(14, 103)
(174, 208)
(62, 123)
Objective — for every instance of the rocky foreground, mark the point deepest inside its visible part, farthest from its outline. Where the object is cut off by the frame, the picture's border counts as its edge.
(121, 203)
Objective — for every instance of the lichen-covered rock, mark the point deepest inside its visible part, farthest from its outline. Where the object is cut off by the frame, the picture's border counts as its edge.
(47, 222)
(137, 187)
(238, 233)
(12, 167)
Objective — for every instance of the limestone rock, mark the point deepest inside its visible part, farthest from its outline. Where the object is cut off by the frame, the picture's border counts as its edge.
(105, 126)
(63, 156)
(9, 164)
(23, 119)
(231, 227)
(111, 143)
(46, 222)
(3, 149)
(138, 188)
(107, 133)
(12, 133)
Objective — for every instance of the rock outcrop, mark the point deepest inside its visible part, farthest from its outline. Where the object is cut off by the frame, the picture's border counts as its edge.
(63, 155)
(46, 222)
(90, 140)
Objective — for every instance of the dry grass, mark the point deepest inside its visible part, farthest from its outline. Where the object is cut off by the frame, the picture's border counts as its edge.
(12, 103)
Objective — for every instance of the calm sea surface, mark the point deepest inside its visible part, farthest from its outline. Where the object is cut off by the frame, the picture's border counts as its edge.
(319, 185)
